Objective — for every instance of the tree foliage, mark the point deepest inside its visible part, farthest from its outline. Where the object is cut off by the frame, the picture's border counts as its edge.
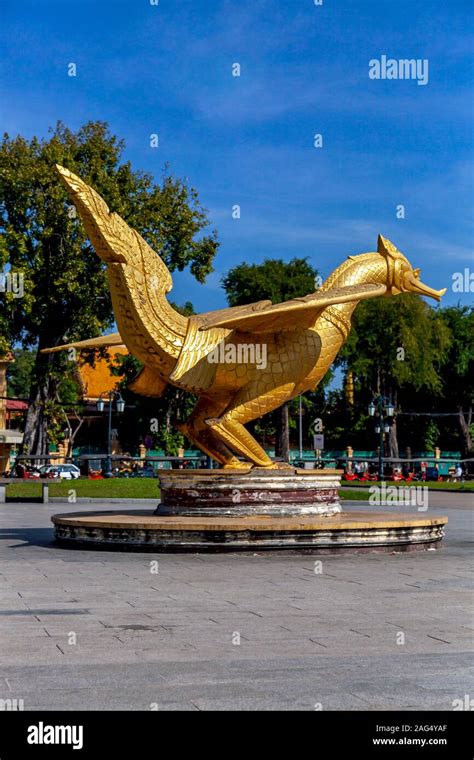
(274, 279)
(394, 343)
(419, 356)
(19, 374)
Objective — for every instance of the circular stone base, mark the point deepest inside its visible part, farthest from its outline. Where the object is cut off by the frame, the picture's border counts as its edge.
(288, 492)
(354, 531)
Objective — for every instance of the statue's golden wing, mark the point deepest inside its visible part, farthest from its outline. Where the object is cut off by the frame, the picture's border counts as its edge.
(114, 339)
(289, 315)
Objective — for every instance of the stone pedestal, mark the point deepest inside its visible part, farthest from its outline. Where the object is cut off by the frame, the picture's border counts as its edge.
(257, 492)
(255, 510)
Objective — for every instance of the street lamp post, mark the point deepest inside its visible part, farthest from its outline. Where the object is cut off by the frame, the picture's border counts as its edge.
(120, 405)
(385, 410)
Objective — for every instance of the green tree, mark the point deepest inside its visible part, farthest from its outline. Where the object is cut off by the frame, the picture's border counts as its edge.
(458, 370)
(278, 281)
(396, 348)
(19, 374)
(274, 279)
(66, 295)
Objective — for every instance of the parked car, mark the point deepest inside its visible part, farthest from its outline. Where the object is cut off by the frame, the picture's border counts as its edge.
(62, 471)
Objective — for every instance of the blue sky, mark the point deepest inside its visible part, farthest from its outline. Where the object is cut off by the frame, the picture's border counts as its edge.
(248, 140)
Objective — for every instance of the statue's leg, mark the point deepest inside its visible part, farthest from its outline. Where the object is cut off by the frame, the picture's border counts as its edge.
(205, 438)
(247, 405)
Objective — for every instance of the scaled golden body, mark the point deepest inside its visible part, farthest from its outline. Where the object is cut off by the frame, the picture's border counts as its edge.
(244, 361)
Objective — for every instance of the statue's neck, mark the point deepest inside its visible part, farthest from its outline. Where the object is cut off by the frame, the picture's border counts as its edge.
(368, 268)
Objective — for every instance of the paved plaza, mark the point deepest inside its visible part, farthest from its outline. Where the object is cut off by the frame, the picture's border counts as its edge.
(113, 630)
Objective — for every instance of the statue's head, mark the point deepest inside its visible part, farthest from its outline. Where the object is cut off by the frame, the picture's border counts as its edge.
(401, 277)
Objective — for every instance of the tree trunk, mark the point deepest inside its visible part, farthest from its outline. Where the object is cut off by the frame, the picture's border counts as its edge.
(35, 437)
(72, 433)
(282, 443)
(465, 432)
(393, 440)
(393, 450)
(43, 389)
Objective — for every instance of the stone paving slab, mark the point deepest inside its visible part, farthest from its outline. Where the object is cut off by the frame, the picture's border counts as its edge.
(224, 632)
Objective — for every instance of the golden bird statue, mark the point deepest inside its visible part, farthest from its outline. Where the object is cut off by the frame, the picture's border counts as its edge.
(214, 355)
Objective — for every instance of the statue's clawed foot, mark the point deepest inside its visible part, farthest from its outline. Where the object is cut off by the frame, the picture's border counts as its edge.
(237, 464)
(234, 435)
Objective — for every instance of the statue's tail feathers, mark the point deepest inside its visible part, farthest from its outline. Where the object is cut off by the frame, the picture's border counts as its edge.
(113, 240)
(105, 230)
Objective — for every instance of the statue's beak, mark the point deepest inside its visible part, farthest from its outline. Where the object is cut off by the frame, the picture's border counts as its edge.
(414, 285)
